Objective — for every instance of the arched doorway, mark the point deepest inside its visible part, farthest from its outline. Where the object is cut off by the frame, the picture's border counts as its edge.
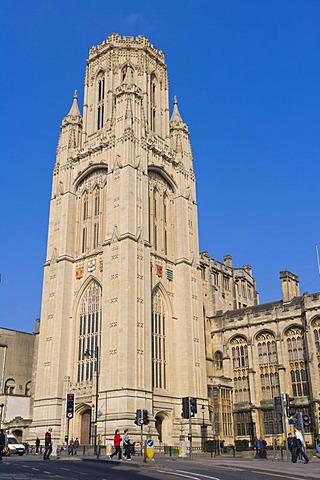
(85, 427)
(158, 425)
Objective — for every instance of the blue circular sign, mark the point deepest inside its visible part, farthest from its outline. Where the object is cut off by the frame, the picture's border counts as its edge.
(150, 443)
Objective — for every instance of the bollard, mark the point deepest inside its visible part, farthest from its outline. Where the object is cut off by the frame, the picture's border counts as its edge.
(233, 451)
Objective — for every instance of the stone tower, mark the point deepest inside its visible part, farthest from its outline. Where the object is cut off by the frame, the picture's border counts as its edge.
(122, 288)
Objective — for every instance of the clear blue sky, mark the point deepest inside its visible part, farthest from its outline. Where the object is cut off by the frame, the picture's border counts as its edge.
(247, 77)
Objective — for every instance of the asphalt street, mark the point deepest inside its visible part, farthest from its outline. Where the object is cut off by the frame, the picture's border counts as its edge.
(31, 467)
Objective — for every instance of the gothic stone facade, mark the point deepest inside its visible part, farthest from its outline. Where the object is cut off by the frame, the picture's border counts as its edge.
(126, 293)
(121, 278)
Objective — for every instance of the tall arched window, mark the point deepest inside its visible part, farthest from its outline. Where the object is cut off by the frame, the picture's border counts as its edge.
(268, 363)
(240, 363)
(89, 331)
(153, 102)
(159, 329)
(100, 101)
(296, 352)
(160, 224)
(91, 193)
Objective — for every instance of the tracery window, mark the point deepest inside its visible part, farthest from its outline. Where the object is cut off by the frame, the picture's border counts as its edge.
(90, 195)
(244, 424)
(160, 226)
(89, 328)
(240, 363)
(272, 422)
(268, 362)
(159, 332)
(298, 371)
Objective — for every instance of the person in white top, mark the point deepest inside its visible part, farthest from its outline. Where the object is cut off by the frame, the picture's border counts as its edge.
(301, 445)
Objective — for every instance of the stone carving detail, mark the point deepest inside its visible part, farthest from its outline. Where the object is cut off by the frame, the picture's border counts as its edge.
(96, 178)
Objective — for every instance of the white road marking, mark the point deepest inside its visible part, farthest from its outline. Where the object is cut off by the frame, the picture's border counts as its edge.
(182, 475)
(66, 469)
(199, 475)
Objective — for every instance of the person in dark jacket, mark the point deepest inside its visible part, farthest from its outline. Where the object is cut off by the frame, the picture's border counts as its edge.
(2, 442)
(47, 445)
(37, 445)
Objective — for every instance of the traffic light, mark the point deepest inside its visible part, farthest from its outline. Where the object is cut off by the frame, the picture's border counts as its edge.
(139, 417)
(290, 408)
(145, 417)
(193, 406)
(306, 421)
(70, 406)
(185, 407)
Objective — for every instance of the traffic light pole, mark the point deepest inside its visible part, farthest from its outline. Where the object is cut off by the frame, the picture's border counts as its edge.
(141, 438)
(190, 431)
(284, 424)
(68, 425)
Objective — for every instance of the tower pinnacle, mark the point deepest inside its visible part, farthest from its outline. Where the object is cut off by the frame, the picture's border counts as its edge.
(176, 117)
(74, 110)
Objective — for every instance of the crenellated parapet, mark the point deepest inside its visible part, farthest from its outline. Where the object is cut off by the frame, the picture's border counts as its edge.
(114, 40)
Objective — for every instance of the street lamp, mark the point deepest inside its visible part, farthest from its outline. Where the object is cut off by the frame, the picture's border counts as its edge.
(95, 354)
(1, 406)
(203, 429)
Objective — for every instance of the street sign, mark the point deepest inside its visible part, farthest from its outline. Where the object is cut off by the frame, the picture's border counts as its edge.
(293, 421)
(150, 443)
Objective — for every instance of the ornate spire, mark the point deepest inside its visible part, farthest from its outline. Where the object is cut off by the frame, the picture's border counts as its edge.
(74, 110)
(176, 117)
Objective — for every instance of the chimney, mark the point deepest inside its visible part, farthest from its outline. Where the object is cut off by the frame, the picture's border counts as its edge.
(290, 285)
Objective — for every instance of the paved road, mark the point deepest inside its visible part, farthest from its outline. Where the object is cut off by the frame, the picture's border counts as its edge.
(31, 467)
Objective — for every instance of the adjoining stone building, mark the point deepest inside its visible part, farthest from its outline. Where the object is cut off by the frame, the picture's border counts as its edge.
(17, 354)
(261, 352)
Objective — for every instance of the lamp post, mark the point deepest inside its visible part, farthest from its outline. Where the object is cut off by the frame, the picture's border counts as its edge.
(203, 429)
(95, 354)
(1, 406)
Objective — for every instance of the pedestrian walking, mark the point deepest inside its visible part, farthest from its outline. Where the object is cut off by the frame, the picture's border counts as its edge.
(3, 442)
(117, 445)
(76, 445)
(47, 445)
(299, 447)
(126, 445)
(37, 442)
(71, 447)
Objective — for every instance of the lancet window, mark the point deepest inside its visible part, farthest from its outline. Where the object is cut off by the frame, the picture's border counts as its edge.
(89, 225)
(89, 328)
(296, 352)
(159, 333)
(268, 363)
(240, 363)
(160, 225)
(100, 101)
